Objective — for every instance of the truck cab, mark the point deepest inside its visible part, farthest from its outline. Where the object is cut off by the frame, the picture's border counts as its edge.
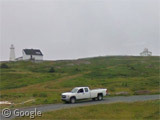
(83, 93)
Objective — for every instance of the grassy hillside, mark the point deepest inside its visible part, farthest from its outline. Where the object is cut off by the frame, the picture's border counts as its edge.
(28, 80)
(148, 110)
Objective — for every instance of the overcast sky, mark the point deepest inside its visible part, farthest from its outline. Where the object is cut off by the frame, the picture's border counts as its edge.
(71, 29)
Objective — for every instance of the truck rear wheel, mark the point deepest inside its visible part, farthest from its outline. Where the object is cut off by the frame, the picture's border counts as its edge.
(72, 100)
(100, 97)
(93, 99)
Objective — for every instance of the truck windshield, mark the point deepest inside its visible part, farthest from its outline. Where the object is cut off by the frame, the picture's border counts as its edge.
(74, 90)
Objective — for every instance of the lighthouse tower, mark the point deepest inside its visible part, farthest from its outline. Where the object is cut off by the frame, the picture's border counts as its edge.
(12, 53)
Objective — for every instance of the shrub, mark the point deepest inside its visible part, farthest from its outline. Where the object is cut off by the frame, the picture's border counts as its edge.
(45, 101)
(124, 84)
(51, 70)
(77, 70)
(112, 89)
(34, 95)
(39, 95)
(3, 65)
(42, 95)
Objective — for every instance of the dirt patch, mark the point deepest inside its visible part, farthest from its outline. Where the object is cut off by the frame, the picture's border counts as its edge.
(122, 93)
(141, 92)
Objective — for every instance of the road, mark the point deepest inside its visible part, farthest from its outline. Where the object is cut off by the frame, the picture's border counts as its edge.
(107, 100)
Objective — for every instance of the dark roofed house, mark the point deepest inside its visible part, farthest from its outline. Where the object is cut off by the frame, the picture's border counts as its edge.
(32, 54)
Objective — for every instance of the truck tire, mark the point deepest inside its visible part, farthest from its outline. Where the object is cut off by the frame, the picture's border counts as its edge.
(93, 99)
(72, 100)
(66, 102)
(100, 97)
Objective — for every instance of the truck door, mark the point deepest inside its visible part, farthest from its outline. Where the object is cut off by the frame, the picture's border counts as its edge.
(80, 94)
(86, 93)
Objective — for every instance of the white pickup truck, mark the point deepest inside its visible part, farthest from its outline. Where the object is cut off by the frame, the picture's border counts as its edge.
(79, 93)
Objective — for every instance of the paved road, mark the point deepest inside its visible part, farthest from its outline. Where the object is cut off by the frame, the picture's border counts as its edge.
(51, 107)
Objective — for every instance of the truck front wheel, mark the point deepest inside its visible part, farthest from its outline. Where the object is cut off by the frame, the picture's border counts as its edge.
(72, 100)
(100, 97)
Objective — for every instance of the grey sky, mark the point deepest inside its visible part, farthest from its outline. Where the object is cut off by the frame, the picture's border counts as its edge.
(68, 29)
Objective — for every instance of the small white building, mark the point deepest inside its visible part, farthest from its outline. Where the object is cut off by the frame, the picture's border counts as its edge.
(146, 53)
(32, 54)
(12, 53)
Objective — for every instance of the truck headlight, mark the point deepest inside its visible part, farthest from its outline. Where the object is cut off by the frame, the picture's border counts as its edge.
(67, 96)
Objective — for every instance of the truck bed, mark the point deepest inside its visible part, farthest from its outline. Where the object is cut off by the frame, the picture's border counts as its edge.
(94, 92)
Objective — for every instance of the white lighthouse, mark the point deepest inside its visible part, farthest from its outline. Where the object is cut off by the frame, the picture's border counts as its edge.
(12, 53)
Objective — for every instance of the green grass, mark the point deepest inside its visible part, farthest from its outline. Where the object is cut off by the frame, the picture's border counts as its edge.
(28, 80)
(149, 110)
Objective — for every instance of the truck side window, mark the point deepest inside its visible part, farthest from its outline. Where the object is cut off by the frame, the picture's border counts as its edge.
(86, 89)
(80, 91)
